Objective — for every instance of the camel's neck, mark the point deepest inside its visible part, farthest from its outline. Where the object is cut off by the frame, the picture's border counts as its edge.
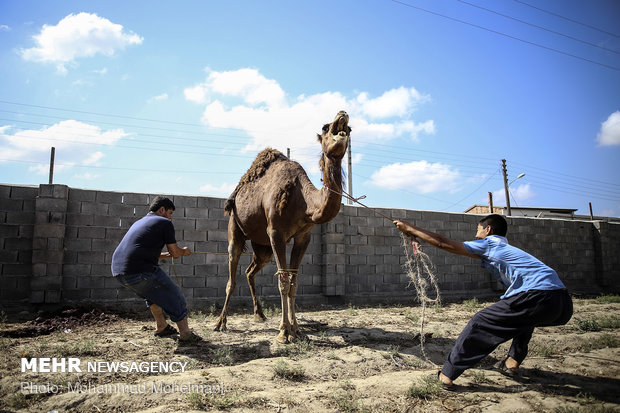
(328, 199)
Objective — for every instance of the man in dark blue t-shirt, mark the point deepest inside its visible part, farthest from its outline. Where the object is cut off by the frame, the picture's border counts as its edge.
(135, 266)
(535, 297)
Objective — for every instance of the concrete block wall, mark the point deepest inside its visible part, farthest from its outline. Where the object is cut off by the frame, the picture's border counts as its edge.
(57, 244)
(17, 217)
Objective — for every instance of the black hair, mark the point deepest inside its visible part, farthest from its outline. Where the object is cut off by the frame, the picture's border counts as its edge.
(496, 222)
(159, 202)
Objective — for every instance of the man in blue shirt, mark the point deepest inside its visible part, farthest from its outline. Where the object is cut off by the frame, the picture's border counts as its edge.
(135, 266)
(535, 297)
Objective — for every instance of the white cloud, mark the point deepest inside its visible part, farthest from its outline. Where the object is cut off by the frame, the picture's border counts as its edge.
(393, 103)
(94, 158)
(158, 98)
(610, 131)
(224, 189)
(75, 142)
(247, 84)
(76, 36)
(518, 194)
(244, 99)
(4, 28)
(198, 94)
(44, 168)
(87, 176)
(101, 72)
(420, 176)
(82, 82)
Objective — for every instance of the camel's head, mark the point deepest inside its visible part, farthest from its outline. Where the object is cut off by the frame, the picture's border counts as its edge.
(335, 136)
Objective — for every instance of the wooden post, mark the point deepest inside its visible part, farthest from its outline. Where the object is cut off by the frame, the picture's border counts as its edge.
(349, 174)
(51, 180)
(591, 215)
(490, 202)
(508, 211)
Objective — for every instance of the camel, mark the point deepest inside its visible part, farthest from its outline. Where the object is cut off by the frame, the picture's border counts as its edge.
(275, 202)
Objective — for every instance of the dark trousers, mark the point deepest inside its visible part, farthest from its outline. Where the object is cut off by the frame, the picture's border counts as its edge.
(511, 318)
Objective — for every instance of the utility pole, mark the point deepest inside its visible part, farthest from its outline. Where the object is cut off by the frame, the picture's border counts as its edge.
(288, 153)
(490, 202)
(51, 180)
(349, 174)
(508, 211)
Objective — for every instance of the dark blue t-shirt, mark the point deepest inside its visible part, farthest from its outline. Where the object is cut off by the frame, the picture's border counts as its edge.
(140, 248)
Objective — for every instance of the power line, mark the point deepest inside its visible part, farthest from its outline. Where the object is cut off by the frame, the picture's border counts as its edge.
(372, 160)
(507, 35)
(474, 191)
(371, 156)
(539, 27)
(582, 194)
(123, 168)
(115, 124)
(567, 18)
(134, 118)
(572, 177)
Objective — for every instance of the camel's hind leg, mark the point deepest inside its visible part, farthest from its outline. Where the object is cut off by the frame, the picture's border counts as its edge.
(299, 249)
(236, 244)
(260, 258)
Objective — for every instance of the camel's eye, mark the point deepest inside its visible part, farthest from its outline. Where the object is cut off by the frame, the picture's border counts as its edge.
(325, 127)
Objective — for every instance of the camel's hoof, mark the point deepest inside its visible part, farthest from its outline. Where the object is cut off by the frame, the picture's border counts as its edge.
(282, 338)
(220, 327)
(260, 318)
(298, 336)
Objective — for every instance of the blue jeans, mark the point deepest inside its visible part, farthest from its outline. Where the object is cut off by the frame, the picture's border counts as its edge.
(157, 288)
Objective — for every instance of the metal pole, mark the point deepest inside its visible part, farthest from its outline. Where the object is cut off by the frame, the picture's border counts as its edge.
(508, 211)
(51, 180)
(490, 202)
(349, 173)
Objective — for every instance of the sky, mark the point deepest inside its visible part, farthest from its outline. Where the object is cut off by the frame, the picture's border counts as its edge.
(178, 98)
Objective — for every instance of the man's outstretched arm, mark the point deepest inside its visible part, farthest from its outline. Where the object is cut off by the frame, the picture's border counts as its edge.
(174, 251)
(434, 239)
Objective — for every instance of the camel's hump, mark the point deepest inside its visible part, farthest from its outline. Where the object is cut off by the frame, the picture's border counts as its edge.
(262, 162)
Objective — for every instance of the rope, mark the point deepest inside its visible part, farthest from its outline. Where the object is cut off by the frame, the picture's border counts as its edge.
(356, 200)
(174, 269)
(418, 265)
(420, 270)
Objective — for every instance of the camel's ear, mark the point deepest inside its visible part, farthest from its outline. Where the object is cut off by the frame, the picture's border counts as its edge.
(319, 138)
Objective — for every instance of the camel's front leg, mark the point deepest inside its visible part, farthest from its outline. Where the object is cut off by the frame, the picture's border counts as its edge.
(299, 249)
(278, 245)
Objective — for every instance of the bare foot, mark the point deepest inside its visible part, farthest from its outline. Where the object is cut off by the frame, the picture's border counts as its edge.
(445, 380)
(512, 364)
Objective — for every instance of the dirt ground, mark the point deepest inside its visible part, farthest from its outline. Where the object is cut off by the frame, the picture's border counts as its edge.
(355, 359)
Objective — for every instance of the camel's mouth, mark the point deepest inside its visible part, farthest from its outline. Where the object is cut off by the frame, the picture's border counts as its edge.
(340, 126)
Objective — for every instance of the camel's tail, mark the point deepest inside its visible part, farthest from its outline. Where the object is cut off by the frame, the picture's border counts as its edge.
(230, 202)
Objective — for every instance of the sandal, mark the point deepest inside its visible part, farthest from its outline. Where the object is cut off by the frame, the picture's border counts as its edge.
(168, 331)
(192, 338)
(503, 369)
